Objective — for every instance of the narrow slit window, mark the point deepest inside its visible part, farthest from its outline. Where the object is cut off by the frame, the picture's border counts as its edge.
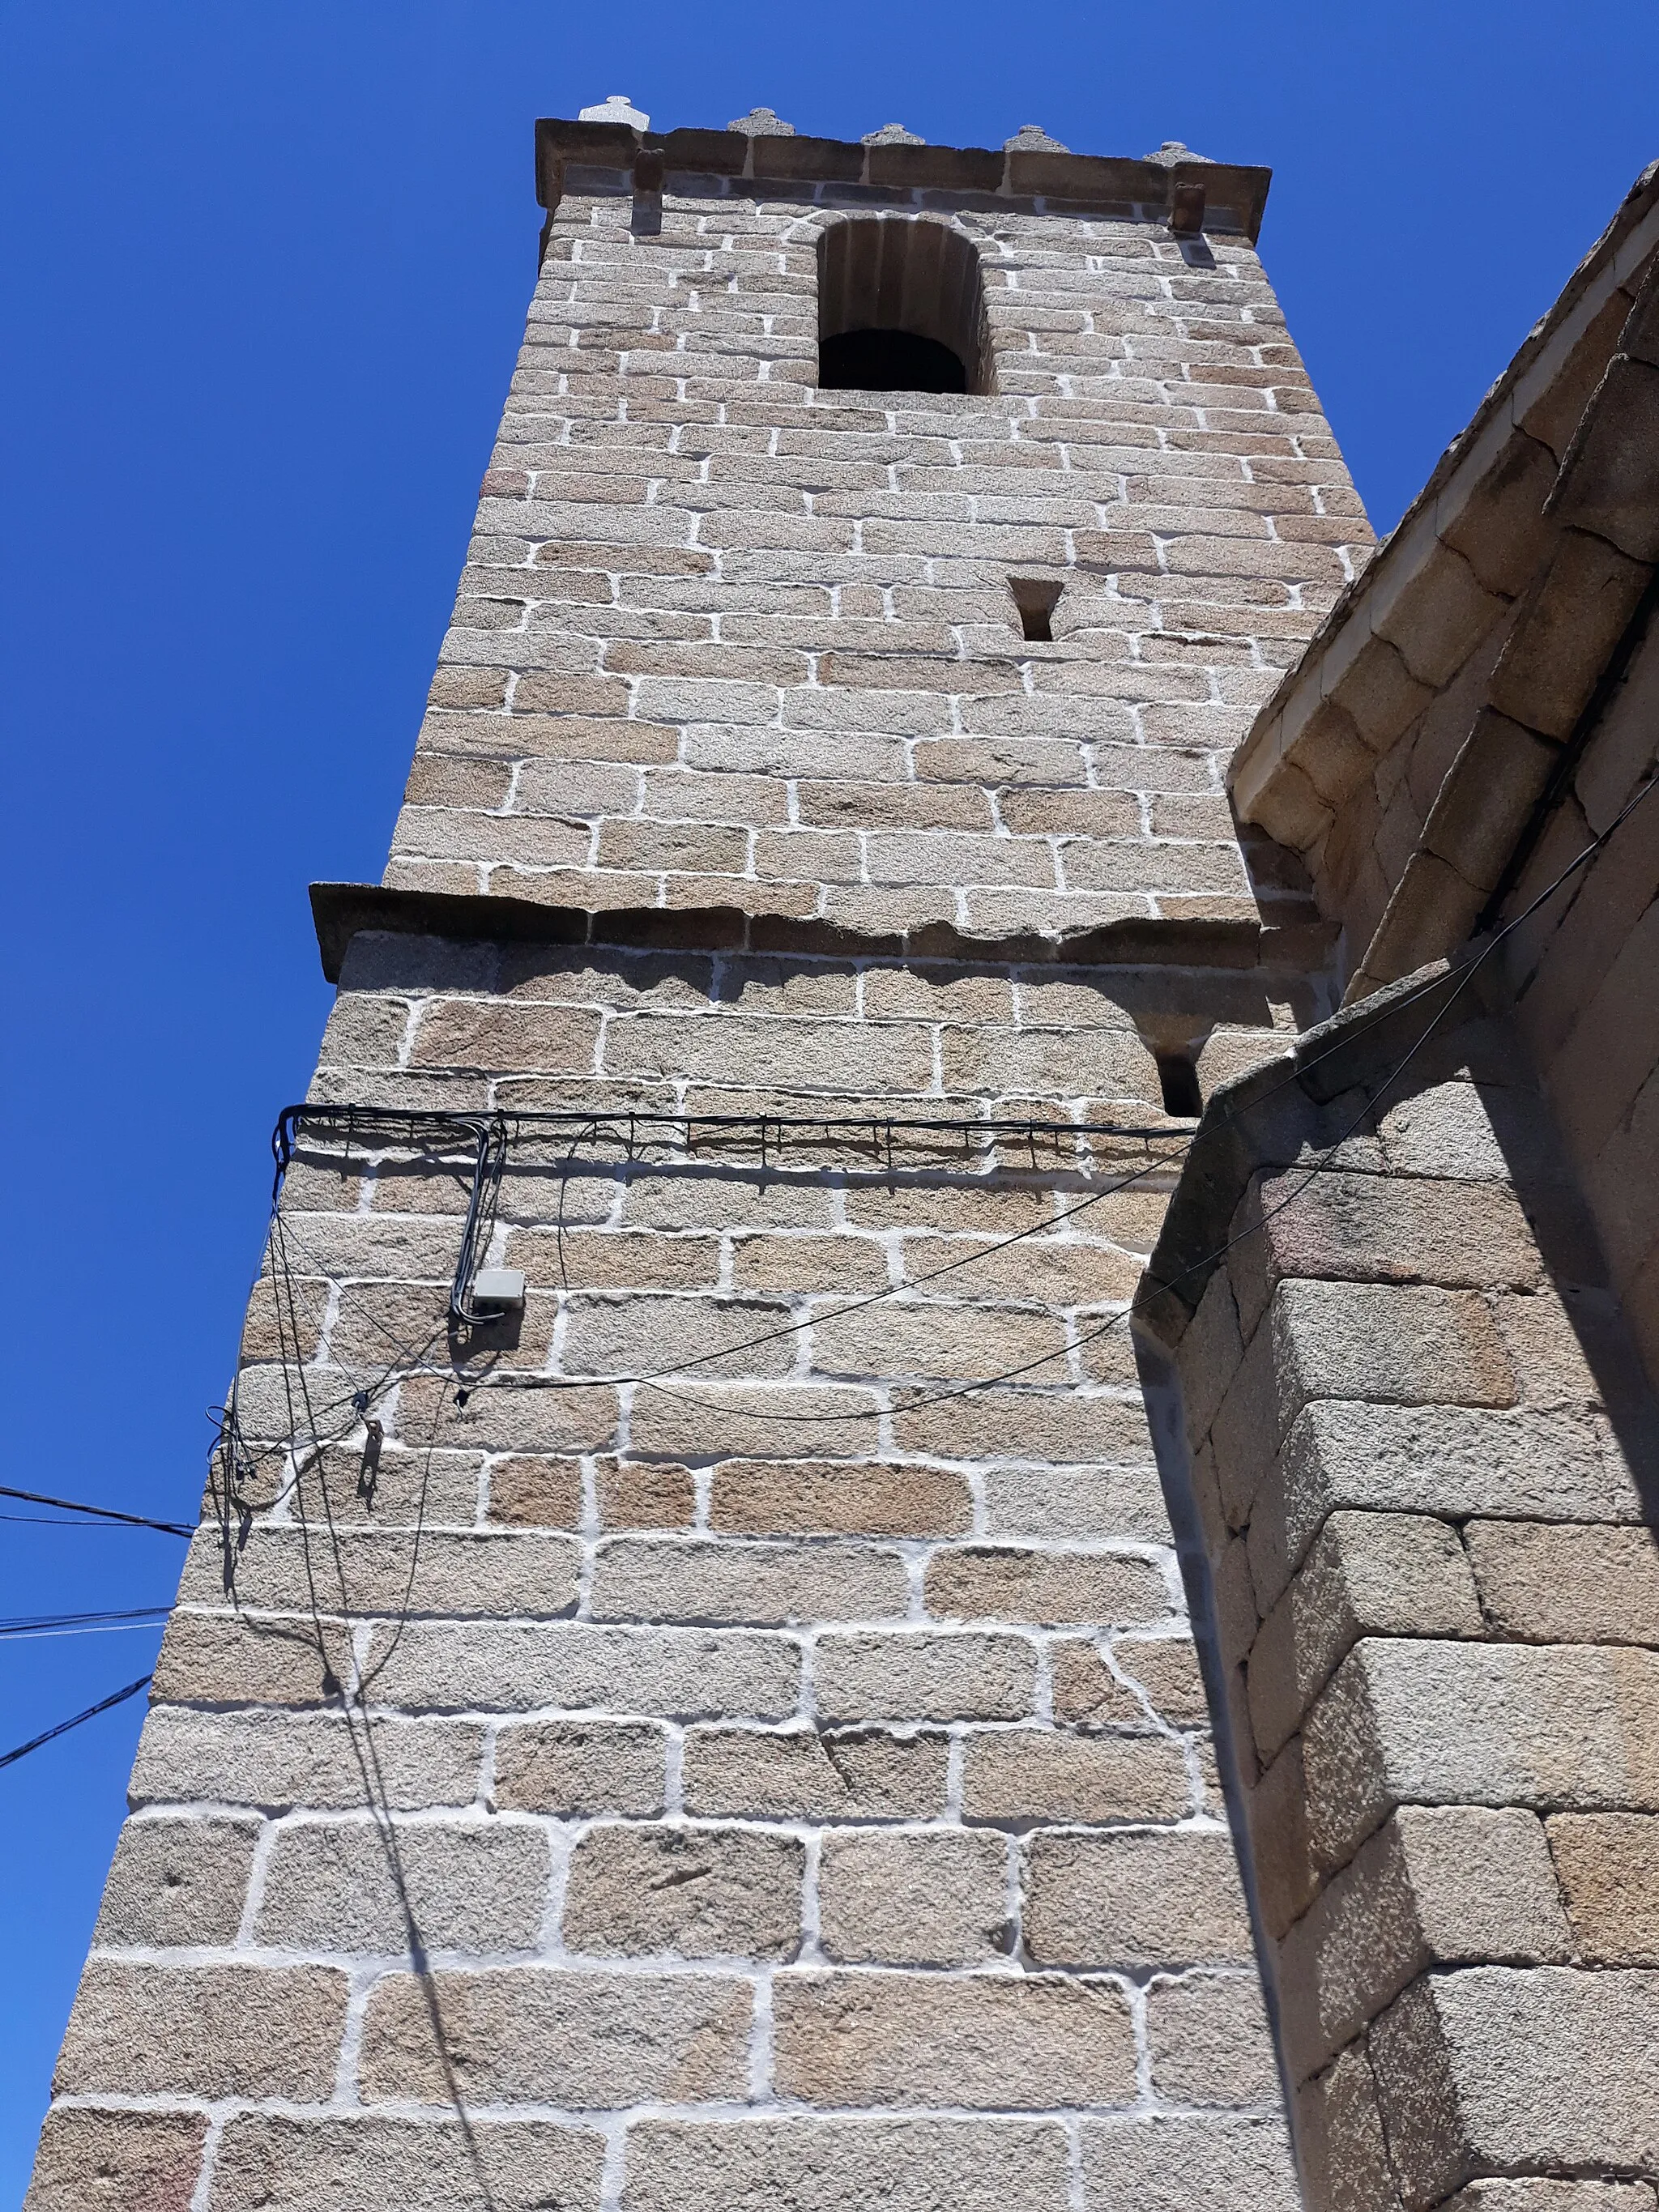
(1036, 599)
(1178, 1079)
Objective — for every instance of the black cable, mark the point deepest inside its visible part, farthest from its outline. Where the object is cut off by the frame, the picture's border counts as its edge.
(359, 1399)
(55, 1521)
(98, 1512)
(367, 1756)
(280, 1254)
(11, 1758)
(285, 1136)
(589, 1129)
(510, 1381)
(654, 1380)
(1027, 1367)
(49, 1624)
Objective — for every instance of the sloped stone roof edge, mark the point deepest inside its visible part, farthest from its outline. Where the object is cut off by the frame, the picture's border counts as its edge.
(1629, 240)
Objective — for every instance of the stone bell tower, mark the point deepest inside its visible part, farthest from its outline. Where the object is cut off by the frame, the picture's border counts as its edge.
(685, 1694)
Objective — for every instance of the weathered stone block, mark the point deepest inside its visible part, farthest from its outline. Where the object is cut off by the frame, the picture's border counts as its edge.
(1435, 1887)
(812, 1499)
(937, 1899)
(1125, 1502)
(1558, 1583)
(1181, 2163)
(1211, 1350)
(933, 1675)
(1246, 1432)
(631, 1496)
(1608, 1865)
(1020, 1775)
(1082, 1428)
(1402, 1345)
(513, 1666)
(1375, 1229)
(1489, 792)
(1328, 750)
(1567, 1725)
(269, 2162)
(119, 2161)
(546, 2035)
(1379, 693)
(1499, 529)
(354, 1886)
(1446, 1130)
(1004, 1583)
(640, 1578)
(281, 1759)
(573, 1767)
(698, 1892)
(177, 1881)
(886, 2165)
(1136, 1899)
(1367, 1574)
(1567, 626)
(815, 1774)
(1437, 615)
(1210, 2041)
(1012, 2041)
(1281, 1845)
(1339, 2125)
(236, 1659)
(385, 1572)
(1609, 480)
(203, 2031)
(1500, 2067)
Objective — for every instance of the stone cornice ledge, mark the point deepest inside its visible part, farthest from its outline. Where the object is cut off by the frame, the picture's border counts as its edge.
(341, 910)
(1235, 195)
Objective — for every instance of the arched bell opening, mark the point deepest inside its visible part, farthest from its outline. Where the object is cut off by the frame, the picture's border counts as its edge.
(901, 307)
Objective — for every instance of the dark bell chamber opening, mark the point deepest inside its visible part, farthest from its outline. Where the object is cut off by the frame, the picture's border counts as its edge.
(888, 361)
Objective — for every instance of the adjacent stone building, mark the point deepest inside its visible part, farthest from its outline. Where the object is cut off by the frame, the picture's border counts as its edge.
(813, 1592)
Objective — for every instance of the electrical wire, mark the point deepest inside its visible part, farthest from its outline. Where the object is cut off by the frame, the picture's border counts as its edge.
(1092, 1336)
(104, 1704)
(655, 1379)
(280, 1254)
(367, 1755)
(49, 1624)
(54, 1521)
(97, 1512)
(510, 1381)
(157, 1620)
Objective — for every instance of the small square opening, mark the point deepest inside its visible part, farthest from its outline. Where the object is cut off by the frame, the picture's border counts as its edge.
(1035, 598)
(1178, 1079)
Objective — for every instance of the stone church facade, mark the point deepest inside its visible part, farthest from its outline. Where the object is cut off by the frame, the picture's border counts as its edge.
(941, 1486)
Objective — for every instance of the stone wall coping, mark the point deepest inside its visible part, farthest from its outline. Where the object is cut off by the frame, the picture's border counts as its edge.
(339, 911)
(1360, 1048)
(1628, 241)
(1235, 195)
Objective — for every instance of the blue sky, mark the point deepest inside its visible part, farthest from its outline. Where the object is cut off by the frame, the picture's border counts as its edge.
(263, 272)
